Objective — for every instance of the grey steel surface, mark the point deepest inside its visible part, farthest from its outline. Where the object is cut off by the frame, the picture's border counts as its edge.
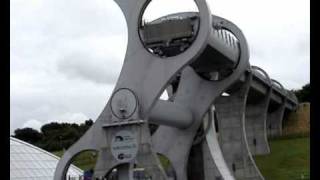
(171, 114)
(146, 76)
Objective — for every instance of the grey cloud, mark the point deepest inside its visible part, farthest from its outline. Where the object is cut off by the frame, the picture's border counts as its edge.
(67, 55)
(53, 99)
(46, 34)
(68, 18)
(82, 65)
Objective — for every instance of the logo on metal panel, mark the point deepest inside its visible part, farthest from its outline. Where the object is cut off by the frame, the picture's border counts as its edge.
(124, 146)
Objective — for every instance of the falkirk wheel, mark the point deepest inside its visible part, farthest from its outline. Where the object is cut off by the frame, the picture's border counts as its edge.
(220, 110)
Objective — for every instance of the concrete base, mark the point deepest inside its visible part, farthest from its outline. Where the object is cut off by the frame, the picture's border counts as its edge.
(232, 136)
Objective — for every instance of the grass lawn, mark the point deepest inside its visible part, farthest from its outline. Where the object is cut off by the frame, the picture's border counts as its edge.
(289, 159)
(84, 160)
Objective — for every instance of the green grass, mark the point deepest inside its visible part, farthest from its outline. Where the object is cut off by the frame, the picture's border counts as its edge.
(84, 160)
(165, 162)
(289, 159)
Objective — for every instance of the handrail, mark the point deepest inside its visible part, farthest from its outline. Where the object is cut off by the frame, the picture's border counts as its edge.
(263, 72)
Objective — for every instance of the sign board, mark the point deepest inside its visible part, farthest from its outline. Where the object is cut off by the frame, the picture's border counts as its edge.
(124, 146)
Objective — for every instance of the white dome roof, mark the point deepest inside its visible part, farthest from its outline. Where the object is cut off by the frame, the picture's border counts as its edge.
(30, 162)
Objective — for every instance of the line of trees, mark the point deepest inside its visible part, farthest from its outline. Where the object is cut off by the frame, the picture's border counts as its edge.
(53, 136)
(304, 94)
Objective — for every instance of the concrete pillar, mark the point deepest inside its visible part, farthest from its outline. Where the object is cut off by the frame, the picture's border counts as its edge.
(255, 125)
(274, 120)
(232, 136)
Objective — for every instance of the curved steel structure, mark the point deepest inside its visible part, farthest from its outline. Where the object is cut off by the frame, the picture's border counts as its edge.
(197, 58)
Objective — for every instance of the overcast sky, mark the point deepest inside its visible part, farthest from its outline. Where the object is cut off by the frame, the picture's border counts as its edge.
(67, 54)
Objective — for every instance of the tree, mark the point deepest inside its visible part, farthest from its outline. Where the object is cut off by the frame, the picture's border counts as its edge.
(303, 94)
(88, 122)
(47, 129)
(29, 135)
(54, 136)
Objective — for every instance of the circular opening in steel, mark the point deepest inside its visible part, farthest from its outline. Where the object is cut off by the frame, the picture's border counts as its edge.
(82, 165)
(166, 29)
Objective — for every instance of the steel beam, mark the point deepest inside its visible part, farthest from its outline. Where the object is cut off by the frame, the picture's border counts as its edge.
(171, 114)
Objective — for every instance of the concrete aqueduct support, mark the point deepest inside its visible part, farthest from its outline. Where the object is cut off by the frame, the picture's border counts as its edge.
(255, 122)
(274, 121)
(230, 111)
(276, 114)
(256, 119)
